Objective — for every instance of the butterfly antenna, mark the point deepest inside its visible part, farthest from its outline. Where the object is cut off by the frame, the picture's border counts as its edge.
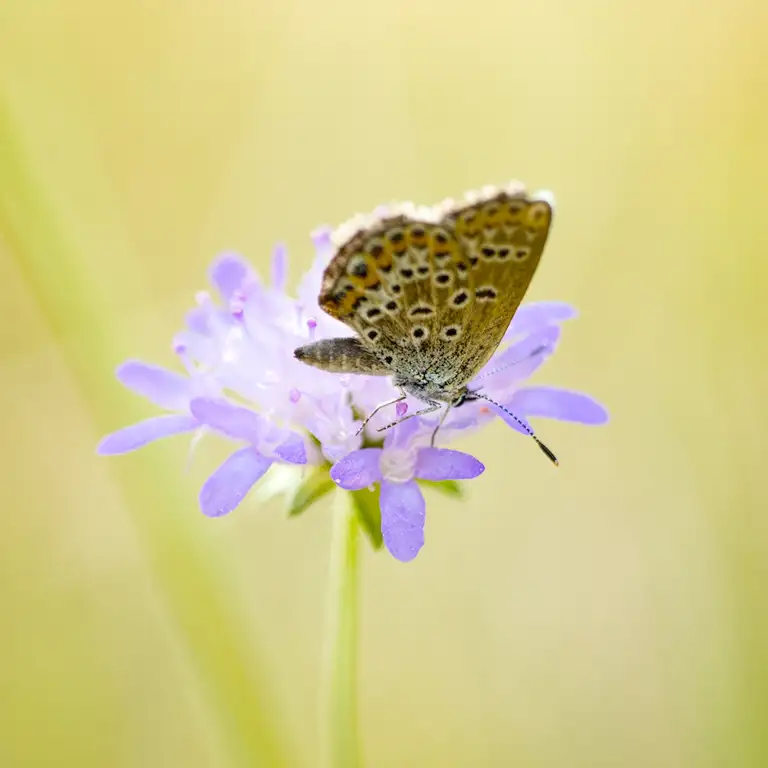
(551, 456)
(537, 351)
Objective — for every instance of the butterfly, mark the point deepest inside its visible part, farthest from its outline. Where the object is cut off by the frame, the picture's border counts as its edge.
(430, 293)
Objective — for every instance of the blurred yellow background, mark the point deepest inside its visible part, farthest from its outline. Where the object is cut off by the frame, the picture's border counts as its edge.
(613, 613)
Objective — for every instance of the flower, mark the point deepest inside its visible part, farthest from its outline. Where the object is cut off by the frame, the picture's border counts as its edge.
(396, 466)
(243, 382)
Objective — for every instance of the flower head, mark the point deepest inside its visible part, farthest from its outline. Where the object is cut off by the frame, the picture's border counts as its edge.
(243, 382)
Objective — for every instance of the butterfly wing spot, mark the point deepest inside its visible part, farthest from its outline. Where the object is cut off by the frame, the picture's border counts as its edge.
(407, 275)
(373, 313)
(450, 333)
(380, 254)
(440, 236)
(443, 279)
(358, 267)
(392, 307)
(372, 334)
(538, 215)
(396, 288)
(486, 293)
(419, 333)
(531, 234)
(421, 310)
(460, 298)
(522, 253)
(487, 252)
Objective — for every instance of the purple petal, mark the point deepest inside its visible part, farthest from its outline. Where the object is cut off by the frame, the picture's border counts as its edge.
(520, 360)
(198, 320)
(229, 273)
(554, 403)
(292, 449)
(358, 469)
(531, 317)
(401, 436)
(165, 388)
(402, 519)
(279, 267)
(138, 435)
(514, 420)
(232, 420)
(443, 464)
(229, 484)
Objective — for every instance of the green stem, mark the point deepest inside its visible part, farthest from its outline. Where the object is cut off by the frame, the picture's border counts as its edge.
(340, 684)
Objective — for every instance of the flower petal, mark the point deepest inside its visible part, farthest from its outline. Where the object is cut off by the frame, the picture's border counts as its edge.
(402, 435)
(518, 361)
(165, 388)
(358, 469)
(514, 420)
(229, 273)
(292, 449)
(230, 483)
(232, 420)
(279, 267)
(402, 519)
(443, 464)
(555, 403)
(537, 314)
(138, 435)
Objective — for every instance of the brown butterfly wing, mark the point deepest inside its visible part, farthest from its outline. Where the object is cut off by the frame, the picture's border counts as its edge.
(435, 295)
(503, 235)
(394, 283)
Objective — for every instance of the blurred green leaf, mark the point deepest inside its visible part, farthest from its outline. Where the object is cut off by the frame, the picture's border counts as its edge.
(451, 488)
(317, 484)
(366, 503)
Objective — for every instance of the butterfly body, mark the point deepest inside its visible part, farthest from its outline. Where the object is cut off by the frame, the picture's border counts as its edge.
(430, 292)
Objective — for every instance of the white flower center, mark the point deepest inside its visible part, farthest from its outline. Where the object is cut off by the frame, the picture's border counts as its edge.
(398, 465)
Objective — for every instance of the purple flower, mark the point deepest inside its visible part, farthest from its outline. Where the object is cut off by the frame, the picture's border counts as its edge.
(403, 459)
(240, 341)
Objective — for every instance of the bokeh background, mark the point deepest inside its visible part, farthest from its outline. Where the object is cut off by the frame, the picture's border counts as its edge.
(613, 613)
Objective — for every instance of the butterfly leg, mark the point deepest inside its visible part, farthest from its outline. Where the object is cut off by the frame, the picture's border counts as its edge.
(379, 407)
(437, 428)
(432, 405)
